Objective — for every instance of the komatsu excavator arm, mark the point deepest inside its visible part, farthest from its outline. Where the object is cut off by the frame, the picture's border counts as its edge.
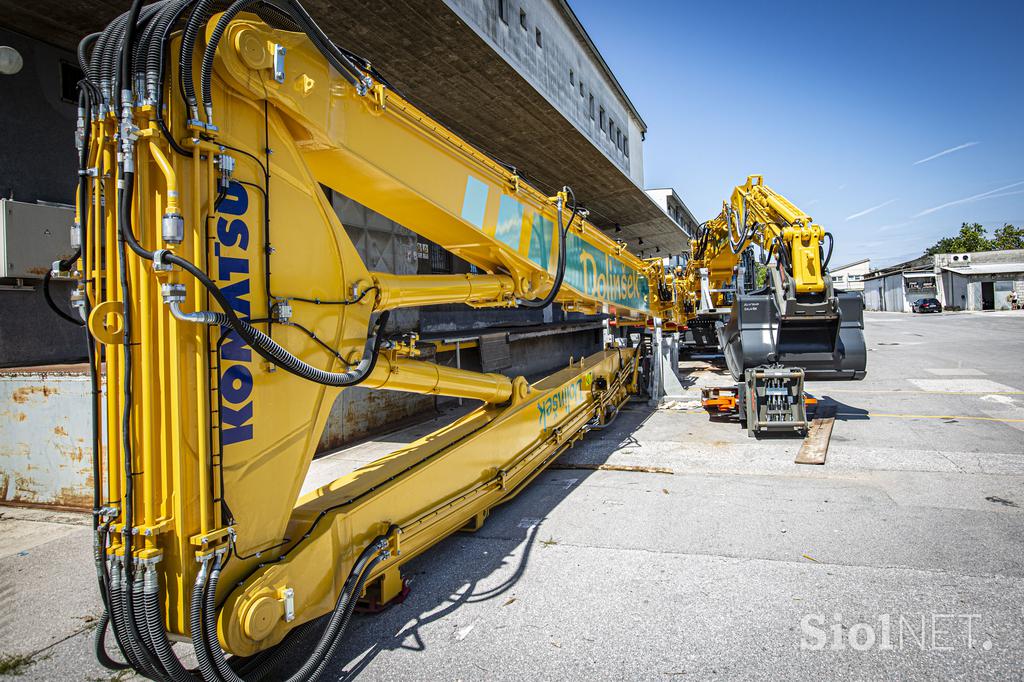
(798, 319)
(227, 307)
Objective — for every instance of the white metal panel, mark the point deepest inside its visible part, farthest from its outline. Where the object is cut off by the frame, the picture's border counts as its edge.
(45, 432)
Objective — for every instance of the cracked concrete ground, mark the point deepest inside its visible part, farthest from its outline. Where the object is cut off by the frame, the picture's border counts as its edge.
(902, 556)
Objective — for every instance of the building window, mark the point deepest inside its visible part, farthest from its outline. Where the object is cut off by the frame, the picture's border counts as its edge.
(625, 146)
(591, 106)
(503, 11)
(611, 129)
(70, 75)
(572, 77)
(581, 87)
(440, 260)
(600, 119)
(618, 138)
(539, 42)
(522, 18)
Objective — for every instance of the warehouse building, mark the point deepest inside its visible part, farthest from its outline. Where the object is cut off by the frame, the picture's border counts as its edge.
(982, 280)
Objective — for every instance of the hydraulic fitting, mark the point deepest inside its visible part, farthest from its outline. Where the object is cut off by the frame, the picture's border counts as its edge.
(172, 228)
(78, 300)
(282, 310)
(172, 292)
(226, 164)
(76, 235)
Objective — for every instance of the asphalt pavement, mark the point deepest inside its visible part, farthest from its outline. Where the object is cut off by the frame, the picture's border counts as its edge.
(901, 556)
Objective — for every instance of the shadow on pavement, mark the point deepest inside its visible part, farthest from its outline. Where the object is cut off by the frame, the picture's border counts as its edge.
(454, 572)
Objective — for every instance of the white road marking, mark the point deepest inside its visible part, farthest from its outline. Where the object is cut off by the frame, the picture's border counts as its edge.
(962, 385)
(956, 372)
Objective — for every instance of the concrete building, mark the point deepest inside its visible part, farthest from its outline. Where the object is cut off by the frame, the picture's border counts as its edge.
(979, 281)
(850, 277)
(896, 287)
(672, 204)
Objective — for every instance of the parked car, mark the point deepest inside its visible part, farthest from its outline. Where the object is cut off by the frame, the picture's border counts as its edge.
(926, 305)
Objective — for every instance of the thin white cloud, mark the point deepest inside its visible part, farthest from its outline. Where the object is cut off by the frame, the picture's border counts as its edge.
(957, 148)
(991, 194)
(893, 226)
(870, 210)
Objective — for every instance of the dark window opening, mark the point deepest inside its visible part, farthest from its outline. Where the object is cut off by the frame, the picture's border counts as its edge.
(600, 119)
(522, 18)
(572, 77)
(591, 107)
(581, 87)
(69, 77)
(539, 43)
(625, 146)
(440, 260)
(503, 10)
(618, 138)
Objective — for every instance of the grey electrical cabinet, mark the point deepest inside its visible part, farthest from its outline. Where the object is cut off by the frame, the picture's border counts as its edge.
(32, 236)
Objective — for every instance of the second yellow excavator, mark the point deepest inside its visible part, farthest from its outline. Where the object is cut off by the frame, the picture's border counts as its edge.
(775, 333)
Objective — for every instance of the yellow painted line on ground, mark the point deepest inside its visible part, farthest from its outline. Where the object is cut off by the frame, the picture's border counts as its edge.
(927, 416)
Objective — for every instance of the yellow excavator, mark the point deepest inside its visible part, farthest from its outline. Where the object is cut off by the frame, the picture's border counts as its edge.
(226, 308)
(776, 333)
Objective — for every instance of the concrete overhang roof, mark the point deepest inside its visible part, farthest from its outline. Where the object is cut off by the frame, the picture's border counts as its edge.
(986, 268)
(438, 62)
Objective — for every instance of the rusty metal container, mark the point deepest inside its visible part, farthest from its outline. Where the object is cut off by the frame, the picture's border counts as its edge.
(45, 449)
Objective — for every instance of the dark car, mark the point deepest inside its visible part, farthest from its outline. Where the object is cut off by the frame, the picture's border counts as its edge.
(926, 305)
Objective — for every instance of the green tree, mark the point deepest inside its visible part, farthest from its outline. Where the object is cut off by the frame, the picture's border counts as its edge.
(760, 274)
(971, 238)
(1008, 237)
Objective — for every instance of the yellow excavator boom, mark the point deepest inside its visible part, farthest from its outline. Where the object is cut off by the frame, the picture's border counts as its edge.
(228, 307)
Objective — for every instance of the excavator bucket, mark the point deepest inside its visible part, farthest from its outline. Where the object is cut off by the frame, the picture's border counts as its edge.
(826, 340)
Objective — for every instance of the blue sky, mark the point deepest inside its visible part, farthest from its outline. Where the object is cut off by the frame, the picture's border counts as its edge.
(889, 123)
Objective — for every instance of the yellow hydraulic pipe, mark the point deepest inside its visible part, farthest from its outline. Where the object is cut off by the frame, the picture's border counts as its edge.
(416, 376)
(398, 291)
(169, 176)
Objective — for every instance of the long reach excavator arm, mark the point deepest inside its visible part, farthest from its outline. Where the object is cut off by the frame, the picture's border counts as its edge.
(227, 307)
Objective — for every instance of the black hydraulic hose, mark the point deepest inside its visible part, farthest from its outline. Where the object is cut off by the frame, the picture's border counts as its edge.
(156, 60)
(155, 627)
(556, 286)
(826, 259)
(116, 616)
(134, 635)
(53, 305)
(84, 62)
(313, 668)
(206, 71)
(185, 55)
(99, 642)
(195, 620)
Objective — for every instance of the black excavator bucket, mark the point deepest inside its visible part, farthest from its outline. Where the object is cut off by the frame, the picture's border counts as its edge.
(826, 340)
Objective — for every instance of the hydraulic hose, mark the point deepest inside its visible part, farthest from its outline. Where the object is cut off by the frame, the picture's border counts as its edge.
(155, 627)
(185, 60)
(563, 231)
(827, 258)
(313, 668)
(206, 72)
(195, 620)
